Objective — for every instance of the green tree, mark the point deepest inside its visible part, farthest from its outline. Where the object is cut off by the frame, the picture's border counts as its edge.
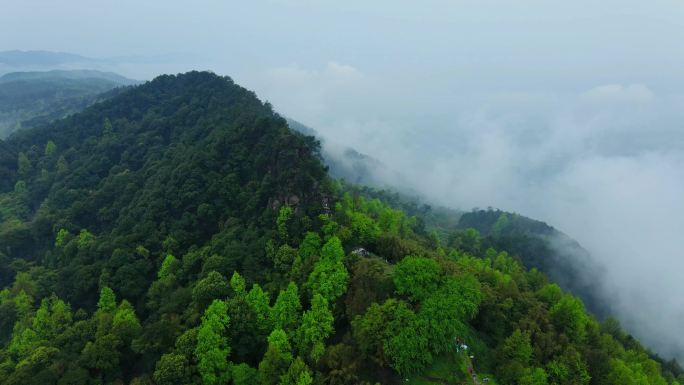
(277, 358)
(62, 165)
(172, 369)
(50, 148)
(329, 277)
(24, 340)
(247, 334)
(85, 239)
(514, 357)
(237, 283)
(61, 238)
(125, 324)
(536, 376)
(550, 294)
(447, 311)
(370, 282)
(297, 374)
(569, 316)
(310, 246)
(634, 369)
(107, 301)
(259, 302)
(284, 216)
(468, 241)
(102, 354)
(417, 277)
(23, 303)
(52, 318)
(23, 165)
(169, 266)
(15, 235)
(213, 286)
(212, 349)
(408, 344)
(364, 229)
(317, 325)
(286, 311)
(37, 368)
(568, 369)
(284, 258)
(244, 374)
(517, 348)
(107, 128)
(392, 334)
(307, 255)
(372, 328)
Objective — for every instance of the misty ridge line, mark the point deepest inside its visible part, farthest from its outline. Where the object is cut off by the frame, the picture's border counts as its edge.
(605, 165)
(509, 150)
(562, 158)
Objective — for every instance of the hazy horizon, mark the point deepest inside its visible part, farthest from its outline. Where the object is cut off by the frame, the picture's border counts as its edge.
(565, 112)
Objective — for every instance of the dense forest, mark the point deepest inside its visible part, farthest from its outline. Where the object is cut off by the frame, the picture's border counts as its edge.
(34, 98)
(179, 232)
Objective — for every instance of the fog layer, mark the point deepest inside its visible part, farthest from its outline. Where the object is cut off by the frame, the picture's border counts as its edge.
(605, 165)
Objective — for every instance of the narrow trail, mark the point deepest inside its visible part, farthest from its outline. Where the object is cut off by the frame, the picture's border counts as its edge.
(473, 377)
(476, 380)
(471, 371)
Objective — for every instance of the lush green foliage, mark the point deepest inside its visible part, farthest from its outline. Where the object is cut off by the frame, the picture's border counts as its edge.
(43, 96)
(180, 233)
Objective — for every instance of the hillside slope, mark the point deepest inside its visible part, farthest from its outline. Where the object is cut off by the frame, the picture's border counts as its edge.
(45, 96)
(539, 245)
(180, 233)
(346, 163)
(534, 243)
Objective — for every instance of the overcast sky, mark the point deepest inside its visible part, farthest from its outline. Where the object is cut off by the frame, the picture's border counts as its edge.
(567, 111)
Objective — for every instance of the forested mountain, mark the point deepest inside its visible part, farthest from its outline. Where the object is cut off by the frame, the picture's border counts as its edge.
(66, 74)
(45, 96)
(541, 246)
(180, 233)
(346, 163)
(535, 244)
(8, 160)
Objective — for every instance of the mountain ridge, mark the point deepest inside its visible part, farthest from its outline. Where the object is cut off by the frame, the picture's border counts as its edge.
(181, 232)
(31, 98)
(67, 74)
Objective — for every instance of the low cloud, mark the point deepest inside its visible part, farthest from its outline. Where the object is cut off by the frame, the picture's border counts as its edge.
(333, 73)
(604, 165)
(307, 92)
(620, 94)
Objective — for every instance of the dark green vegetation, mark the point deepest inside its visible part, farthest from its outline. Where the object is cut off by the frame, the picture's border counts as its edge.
(34, 98)
(538, 245)
(181, 233)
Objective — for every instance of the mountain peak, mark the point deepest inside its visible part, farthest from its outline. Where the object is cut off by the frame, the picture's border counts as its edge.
(195, 128)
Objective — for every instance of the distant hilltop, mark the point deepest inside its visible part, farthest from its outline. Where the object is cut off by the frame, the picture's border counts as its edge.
(18, 58)
(66, 75)
(35, 97)
(22, 61)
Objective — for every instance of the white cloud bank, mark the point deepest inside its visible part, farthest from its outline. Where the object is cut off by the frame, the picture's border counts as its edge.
(620, 94)
(604, 165)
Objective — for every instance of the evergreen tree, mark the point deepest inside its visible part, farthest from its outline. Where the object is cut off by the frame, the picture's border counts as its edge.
(212, 349)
